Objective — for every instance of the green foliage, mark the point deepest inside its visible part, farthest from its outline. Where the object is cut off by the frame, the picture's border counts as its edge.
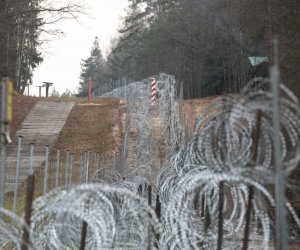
(21, 24)
(19, 40)
(205, 44)
(92, 67)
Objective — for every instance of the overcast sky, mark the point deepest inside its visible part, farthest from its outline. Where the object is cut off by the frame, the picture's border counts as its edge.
(62, 57)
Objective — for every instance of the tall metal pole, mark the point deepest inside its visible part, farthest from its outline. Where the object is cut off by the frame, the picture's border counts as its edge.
(280, 210)
(2, 146)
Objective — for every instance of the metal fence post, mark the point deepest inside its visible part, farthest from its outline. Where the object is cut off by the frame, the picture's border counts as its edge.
(71, 169)
(81, 168)
(280, 210)
(95, 163)
(28, 209)
(67, 165)
(114, 166)
(98, 159)
(149, 195)
(220, 216)
(31, 160)
(87, 167)
(57, 167)
(84, 166)
(17, 173)
(255, 137)
(3, 151)
(46, 169)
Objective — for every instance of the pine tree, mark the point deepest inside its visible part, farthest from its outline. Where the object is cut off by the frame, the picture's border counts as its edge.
(92, 67)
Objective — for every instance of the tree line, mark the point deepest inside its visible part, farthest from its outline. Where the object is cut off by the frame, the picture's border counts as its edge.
(24, 27)
(206, 44)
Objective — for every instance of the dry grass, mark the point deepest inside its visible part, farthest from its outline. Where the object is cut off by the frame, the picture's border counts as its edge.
(90, 127)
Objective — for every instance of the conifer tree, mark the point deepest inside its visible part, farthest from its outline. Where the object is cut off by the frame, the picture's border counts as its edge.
(92, 67)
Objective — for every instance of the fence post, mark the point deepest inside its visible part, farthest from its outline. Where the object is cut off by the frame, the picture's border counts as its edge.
(84, 166)
(149, 195)
(220, 216)
(28, 209)
(158, 212)
(28, 201)
(57, 167)
(114, 166)
(95, 163)
(46, 170)
(67, 165)
(84, 228)
(3, 149)
(98, 159)
(83, 235)
(17, 173)
(280, 210)
(71, 169)
(31, 160)
(254, 149)
(87, 167)
(81, 168)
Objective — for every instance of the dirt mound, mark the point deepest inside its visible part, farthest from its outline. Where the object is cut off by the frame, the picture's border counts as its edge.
(91, 127)
(192, 109)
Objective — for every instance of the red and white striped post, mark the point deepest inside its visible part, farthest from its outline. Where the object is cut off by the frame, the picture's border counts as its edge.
(153, 90)
(90, 90)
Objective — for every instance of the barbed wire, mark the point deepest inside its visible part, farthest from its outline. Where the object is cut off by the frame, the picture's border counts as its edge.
(215, 167)
(116, 219)
(11, 230)
(221, 151)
